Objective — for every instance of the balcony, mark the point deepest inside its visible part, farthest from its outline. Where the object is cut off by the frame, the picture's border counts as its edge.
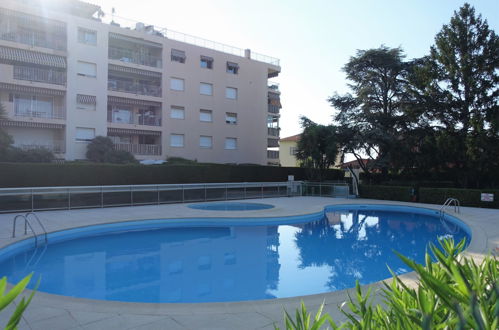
(274, 109)
(272, 143)
(35, 74)
(272, 154)
(55, 112)
(133, 87)
(32, 30)
(273, 131)
(57, 146)
(133, 119)
(273, 86)
(132, 56)
(140, 149)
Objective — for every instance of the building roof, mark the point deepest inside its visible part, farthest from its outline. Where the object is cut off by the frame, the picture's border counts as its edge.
(354, 163)
(294, 138)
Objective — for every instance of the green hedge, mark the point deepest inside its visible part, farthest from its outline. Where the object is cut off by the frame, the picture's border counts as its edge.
(91, 174)
(467, 197)
(392, 193)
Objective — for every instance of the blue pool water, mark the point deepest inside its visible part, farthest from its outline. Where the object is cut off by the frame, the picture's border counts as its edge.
(231, 206)
(212, 260)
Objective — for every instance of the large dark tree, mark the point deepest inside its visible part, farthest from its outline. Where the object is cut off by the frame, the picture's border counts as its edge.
(317, 147)
(457, 89)
(371, 117)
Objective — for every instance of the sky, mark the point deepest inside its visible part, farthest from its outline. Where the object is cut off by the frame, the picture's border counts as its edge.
(313, 39)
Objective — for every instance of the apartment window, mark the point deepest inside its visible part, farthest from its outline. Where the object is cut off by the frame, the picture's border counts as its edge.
(206, 115)
(177, 112)
(206, 62)
(176, 84)
(230, 143)
(86, 69)
(292, 151)
(232, 67)
(85, 134)
(231, 118)
(206, 89)
(178, 56)
(33, 106)
(88, 37)
(177, 140)
(122, 115)
(231, 93)
(86, 102)
(205, 141)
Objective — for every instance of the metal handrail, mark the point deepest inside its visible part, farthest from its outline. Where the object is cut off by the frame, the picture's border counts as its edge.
(448, 202)
(26, 223)
(39, 223)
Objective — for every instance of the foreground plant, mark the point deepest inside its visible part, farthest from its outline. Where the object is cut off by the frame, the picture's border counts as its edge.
(454, 293)
(6, 298)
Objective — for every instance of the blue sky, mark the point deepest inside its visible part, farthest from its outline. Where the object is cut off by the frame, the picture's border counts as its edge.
(313, 39)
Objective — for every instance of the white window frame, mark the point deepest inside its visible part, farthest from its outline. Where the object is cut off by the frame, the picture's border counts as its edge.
(177, 84)
(229, 145)
(84, 134)
(177, 109)
(173, 143)
(82, 36)
(86, 69)
(206, 142)
(204, 91)
(231, 93)
(229, 116)
(206, 115)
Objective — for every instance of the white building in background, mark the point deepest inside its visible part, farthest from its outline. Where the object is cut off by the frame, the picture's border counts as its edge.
(66, 77)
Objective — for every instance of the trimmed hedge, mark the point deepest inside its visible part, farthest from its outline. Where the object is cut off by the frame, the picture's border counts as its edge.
(91, 174)
(467, 197)
(392, 193)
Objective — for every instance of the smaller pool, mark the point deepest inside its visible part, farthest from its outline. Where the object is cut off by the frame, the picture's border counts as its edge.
(231, 206)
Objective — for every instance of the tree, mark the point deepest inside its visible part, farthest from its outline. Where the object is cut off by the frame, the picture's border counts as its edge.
(101, 150)
(371, 119)
(317, 147)
(457, 90)
(5, 139)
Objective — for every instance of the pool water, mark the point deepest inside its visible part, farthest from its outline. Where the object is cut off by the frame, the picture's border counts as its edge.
(215, 262)
(231, 206)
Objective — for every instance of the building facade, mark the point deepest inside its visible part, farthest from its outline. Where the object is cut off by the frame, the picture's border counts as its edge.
(67, 77)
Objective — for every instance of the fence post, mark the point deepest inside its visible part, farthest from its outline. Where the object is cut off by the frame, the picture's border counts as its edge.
(320, 189)
(157, 189)
(262, 191)
(131, 195)
(226, 192)
(69, 198)
(32, 201)
(205, 193)
(101, 196)
(183, 194)
(244, 190)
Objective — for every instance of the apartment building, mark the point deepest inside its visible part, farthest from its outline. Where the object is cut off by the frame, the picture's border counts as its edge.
(66, 77)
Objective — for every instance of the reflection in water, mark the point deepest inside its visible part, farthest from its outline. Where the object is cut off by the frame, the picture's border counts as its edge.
(231, 263)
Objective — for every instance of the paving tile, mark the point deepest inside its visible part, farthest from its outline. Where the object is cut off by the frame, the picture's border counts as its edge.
(166, 323)
(83, 318)
(61, 322)
(120, 322)
(35, 312)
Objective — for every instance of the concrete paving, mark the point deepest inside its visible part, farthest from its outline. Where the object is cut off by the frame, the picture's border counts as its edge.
(54, 312)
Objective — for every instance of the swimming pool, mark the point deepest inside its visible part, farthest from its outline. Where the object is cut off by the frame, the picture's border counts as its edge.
(231, 206)
(207, 260)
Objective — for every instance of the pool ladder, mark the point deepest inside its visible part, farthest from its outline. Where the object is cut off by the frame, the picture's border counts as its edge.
(457, 209)
(27, 223)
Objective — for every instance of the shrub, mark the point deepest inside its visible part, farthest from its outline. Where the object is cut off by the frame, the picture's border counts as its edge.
(455, 293)
(393, 193)
(467, 197)
(8, 298)
(101, 150)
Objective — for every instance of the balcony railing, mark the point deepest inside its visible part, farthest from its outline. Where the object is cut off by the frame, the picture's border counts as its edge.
(136, 119)
(273, 108)
(272, 143)
(48, 76)
(273, 86)
(273, 131)
(133, 87)
(35, 39)
(139, 149)
(272, 154)
(57, 112)
(131, 56)
(57, 146)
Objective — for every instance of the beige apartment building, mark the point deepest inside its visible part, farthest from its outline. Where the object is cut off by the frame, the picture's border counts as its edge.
(66, 77)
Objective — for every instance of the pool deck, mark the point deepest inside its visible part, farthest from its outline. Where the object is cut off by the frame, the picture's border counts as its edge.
(54, 312)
